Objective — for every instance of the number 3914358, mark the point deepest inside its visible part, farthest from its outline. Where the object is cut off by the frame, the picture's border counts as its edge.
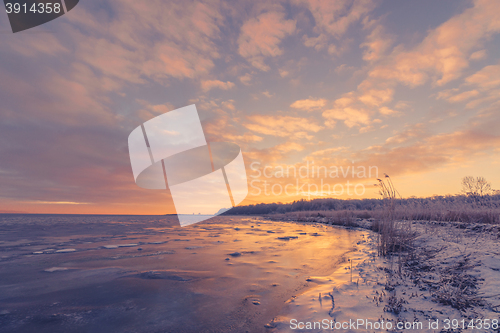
(36, 8)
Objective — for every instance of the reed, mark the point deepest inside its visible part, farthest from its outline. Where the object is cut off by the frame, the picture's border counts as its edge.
(388, 238)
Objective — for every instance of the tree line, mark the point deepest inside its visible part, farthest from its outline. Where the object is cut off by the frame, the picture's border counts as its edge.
(476, 192)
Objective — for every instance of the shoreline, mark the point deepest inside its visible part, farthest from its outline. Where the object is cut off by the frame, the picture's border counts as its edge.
(450, 283)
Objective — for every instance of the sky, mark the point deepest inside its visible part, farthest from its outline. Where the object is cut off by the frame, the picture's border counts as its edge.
(317, 88)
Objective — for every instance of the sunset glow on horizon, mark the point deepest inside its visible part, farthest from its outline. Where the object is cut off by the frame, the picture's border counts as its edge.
(320, 95)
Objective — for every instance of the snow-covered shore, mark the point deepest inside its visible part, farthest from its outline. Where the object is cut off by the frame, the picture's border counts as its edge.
(450, 283)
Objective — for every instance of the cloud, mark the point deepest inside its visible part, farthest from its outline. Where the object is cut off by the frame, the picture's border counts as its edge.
(289, 146)
(423, 151)
(388, 112)
(366, 129)
(318, 43)
(377, 43)
(415, 131)
(374, 97)
(282, 126)
(402, 105)
(211, 84)
(334, 17)
(328, 151)
(309, 104)
(246, 79)
(486, 78)
(283, 72)
(354, 109)
(490, 100)
(478, 55)
(150, 111)
(486, 81)
(349, 115)
(246, 137)
(451, 96)
(74, 163)
(430, 153)
(348, 110)
(74, 98)
(260, 37)
(229, 104)
(443, 54)
(267, 94)
(178, 40)
(31, 45)
(343, 68)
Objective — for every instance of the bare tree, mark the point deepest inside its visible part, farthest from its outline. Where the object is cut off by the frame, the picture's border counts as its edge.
(476, 187)
(483, 187)
(468, 187)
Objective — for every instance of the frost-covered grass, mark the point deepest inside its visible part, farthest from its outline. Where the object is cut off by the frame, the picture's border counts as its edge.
(452, 273)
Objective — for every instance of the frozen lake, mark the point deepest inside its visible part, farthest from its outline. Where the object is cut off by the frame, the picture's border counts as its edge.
(67, 273)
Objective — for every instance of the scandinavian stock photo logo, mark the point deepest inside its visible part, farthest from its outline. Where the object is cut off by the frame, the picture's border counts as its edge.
(170, 151)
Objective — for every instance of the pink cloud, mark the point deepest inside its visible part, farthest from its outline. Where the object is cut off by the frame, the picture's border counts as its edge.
(334, 17)
(377, 97)
(122, 47)
(282, 126)
(351, 116)
(211, 84)
(486, 78)
(453, 97)
(260, 37)
(310, 104)
(443, 55)
(377, 43)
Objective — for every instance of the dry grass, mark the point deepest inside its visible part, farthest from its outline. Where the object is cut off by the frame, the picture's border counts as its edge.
(451, 285)
(438, 212)
(393, 237)
(445, 213)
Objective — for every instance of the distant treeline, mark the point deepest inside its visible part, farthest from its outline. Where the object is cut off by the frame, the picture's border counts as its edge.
(436, 202)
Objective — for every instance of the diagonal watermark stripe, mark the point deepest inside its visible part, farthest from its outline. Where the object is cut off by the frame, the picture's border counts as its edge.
(171, 151)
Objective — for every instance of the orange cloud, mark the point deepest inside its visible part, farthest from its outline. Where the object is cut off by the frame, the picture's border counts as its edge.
(122, 47)
(415, 131)
(349, 115)
(31, 45)
(289, 146)
(388, 112)
(328, 151)
(428, 152)
(246, 79)
(282, 126)
(486, 78)
(478, 55)
(444, 53)
(377, 42)
(309, 104)
(211, 84)
(352, 113)
(451, 97)
(374, 97)
(317, 42)
(334, 17)
(260, 37)
(150, 111)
